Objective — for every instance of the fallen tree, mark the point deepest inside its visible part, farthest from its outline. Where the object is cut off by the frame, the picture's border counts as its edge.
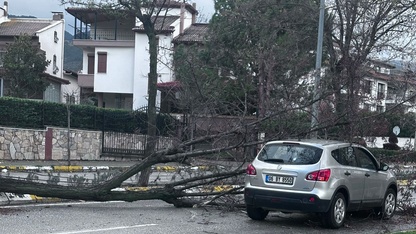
(284, 115)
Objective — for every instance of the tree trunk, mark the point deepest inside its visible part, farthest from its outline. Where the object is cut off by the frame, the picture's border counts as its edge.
(151, 102)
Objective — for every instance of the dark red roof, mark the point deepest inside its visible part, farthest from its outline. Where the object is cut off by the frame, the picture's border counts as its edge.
(195, 33)
(172, 85)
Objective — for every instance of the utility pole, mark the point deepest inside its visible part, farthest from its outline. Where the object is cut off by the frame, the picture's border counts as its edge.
(317, 88)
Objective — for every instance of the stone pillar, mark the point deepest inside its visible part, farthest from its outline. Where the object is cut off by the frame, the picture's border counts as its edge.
(48, 144)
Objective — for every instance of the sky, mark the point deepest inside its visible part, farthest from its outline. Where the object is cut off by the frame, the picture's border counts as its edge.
(44, 8)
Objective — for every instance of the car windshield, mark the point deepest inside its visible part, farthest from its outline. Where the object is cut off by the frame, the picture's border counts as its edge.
(290, 154)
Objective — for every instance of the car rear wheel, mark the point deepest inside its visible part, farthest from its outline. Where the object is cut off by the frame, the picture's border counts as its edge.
(335, 217)
(389, 204)
(256, 213)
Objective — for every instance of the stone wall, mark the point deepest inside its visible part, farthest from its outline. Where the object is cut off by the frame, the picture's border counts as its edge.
(84, 145)
(49, 144)
(52, 144)
(18, 144)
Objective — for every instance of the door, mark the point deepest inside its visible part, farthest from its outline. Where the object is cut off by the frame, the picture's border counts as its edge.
(374, 179)
(351, 175)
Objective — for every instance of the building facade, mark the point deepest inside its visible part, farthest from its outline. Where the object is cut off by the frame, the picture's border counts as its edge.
(116, 57)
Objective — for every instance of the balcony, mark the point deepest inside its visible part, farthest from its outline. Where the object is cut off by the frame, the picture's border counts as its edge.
(86, 80)
(96, 27)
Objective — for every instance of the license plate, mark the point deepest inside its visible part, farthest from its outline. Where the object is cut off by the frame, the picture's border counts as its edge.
(279, 179)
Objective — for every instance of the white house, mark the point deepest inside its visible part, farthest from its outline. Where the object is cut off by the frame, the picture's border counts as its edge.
(385, 86)
(115, 53)
(48, 34)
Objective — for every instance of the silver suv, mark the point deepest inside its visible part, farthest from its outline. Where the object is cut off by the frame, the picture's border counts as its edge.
(324, 177)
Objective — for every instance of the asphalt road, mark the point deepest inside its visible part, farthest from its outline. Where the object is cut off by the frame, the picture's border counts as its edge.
(154, 217)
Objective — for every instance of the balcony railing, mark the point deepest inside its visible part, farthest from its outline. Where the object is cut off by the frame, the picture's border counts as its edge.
(106, 34)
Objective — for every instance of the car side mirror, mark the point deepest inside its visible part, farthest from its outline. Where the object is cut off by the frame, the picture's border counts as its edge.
(384, 167)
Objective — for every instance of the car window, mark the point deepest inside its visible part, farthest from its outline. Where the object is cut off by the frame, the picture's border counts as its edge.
(345, 156)
(290, 154)
(365, 160)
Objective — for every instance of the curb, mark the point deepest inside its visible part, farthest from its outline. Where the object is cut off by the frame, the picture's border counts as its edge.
(18, 199)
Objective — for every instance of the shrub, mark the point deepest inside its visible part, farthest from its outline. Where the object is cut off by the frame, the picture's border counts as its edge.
(23, 113)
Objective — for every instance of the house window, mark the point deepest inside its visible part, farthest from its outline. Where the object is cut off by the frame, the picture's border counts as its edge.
(380, 91)
(70, 99)
(55, 67)
(119, 102)
(380, 109)
(367, 86)
(52, 93)
(2, 53)
(55, 37)
(411, 97)
(1, 87)
(91, 63)
(102, 62)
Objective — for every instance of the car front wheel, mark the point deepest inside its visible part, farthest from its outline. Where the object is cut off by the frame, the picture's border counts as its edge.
(256, 213)
(389, 204)
(335, 217)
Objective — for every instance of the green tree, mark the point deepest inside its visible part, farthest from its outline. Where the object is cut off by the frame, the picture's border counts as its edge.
(252, 62)
(266, 45)
(24, 65)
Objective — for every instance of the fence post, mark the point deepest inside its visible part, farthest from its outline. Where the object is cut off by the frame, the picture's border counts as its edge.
(102, 133)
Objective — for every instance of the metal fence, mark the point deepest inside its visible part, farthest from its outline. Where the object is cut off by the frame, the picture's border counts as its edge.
(117, 144)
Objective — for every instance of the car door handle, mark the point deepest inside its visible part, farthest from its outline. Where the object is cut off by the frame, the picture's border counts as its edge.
(347, 173)
(367, 175)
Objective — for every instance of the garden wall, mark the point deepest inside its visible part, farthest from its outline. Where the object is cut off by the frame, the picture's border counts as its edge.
(49, 144)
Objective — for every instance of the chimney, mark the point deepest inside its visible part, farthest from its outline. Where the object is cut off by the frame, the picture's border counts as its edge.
(57, 15)
(182, 19)
(6, 8)
(4, 12)
(194, 14)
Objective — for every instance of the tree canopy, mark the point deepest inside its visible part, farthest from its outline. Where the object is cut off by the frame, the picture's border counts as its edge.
(24, 65)
(357, 32)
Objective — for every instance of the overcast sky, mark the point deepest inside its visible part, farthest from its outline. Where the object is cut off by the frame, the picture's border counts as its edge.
(43, 8)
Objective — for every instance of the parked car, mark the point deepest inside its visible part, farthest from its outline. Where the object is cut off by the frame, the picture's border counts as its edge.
(324, 177)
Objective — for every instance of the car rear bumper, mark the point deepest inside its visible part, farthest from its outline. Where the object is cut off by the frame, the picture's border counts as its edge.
(284, 201)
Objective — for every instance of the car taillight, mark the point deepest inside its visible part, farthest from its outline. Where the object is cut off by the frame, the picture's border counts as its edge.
(251, 170)
(321, 175)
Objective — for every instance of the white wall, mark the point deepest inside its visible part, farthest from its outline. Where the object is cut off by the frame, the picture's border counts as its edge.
(48, 44)
(119, 76)
(71, 89)
(165, 57)
(377, 142)
(141, 70)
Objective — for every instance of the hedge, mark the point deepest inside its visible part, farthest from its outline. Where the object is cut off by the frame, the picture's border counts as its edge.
(24, 113)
